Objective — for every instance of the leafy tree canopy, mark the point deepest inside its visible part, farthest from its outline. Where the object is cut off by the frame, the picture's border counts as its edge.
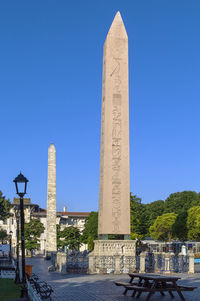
(90, 232)
(163, 227)
(180, 228)
(182, 201)
(154, 210)
(3, 235)
(4, 207)
(139, 218)
(91, 225)
(32, 233)
(69, 237)
(193, 223)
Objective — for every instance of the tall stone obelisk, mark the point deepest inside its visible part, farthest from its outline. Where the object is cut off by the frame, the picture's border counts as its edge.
(114, 192)
(109, 255)
(51, 239)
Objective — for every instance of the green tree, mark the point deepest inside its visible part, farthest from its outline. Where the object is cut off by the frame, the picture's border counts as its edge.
(69, 237)
(193, 223)
(139, 218)
(32, 233)
(154, 210)
(4, 207)
(90, 232)
(162, 228)
(180, 228)
(3, 236)
(181, 201)
(59, 242)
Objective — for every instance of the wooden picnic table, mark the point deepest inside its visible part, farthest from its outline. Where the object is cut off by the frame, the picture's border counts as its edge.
(148, 283)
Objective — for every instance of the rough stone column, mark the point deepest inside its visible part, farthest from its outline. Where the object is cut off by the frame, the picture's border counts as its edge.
(191, 263)
(117, 264)
(167, 263)
(91, 264)
(142, 262)
(114, 190)
(51, 240)
(62, 259)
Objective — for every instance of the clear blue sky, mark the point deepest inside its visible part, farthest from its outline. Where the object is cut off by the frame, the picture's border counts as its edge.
(50, 91)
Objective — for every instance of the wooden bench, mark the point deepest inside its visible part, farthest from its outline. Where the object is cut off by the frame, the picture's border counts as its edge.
(125, 284)
(159, 289)
(41, 287)
(154, 283)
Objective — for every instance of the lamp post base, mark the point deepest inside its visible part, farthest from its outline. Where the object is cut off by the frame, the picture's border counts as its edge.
(17, 278)
(24, 293)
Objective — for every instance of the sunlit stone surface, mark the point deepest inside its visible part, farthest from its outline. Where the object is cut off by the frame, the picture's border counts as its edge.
(114, 192)
(51, 241)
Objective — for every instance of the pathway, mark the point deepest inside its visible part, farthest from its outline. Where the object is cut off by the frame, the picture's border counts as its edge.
(98, 287)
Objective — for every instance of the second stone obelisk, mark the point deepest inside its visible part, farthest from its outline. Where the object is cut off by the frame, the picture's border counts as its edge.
(51, 237)
(114, 192)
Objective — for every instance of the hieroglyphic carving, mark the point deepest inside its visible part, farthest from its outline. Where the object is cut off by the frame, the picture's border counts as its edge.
(102, 162)
(116, 74)
(116, 160)
(116, 142)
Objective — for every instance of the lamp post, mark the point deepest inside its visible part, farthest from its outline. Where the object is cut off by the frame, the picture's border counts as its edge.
(21, 184)
(10, 236)
(17, 278)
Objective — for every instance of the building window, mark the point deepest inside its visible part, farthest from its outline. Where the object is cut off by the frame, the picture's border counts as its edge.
(64, 221)
(5, 221)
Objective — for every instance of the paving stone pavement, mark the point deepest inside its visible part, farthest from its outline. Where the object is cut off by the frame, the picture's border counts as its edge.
(99, 287)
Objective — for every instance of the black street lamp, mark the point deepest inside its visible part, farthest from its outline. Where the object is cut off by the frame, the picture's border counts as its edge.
(10, 236)
(21, 184)
(17, 277)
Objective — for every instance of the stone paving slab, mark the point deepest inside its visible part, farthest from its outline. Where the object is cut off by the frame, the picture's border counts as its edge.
(100, 287)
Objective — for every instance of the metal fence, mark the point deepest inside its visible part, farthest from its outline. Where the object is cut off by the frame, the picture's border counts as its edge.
(77, 263)
(197, 265)
(162, 263)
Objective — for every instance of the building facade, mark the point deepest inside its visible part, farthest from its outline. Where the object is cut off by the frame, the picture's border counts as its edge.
(31, 210)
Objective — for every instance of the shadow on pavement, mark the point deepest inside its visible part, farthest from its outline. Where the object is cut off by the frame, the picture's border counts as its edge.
(99, 287)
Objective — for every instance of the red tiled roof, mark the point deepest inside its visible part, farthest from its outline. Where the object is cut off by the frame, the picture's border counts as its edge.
(74, 213)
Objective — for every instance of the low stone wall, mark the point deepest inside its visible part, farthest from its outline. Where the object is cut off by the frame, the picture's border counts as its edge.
(61, 262)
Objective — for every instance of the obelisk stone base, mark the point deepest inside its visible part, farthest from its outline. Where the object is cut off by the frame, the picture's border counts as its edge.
(113, 256)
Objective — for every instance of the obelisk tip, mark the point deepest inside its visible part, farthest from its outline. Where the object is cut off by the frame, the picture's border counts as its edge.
(118, 15)
(52, 146)
(117, 28)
